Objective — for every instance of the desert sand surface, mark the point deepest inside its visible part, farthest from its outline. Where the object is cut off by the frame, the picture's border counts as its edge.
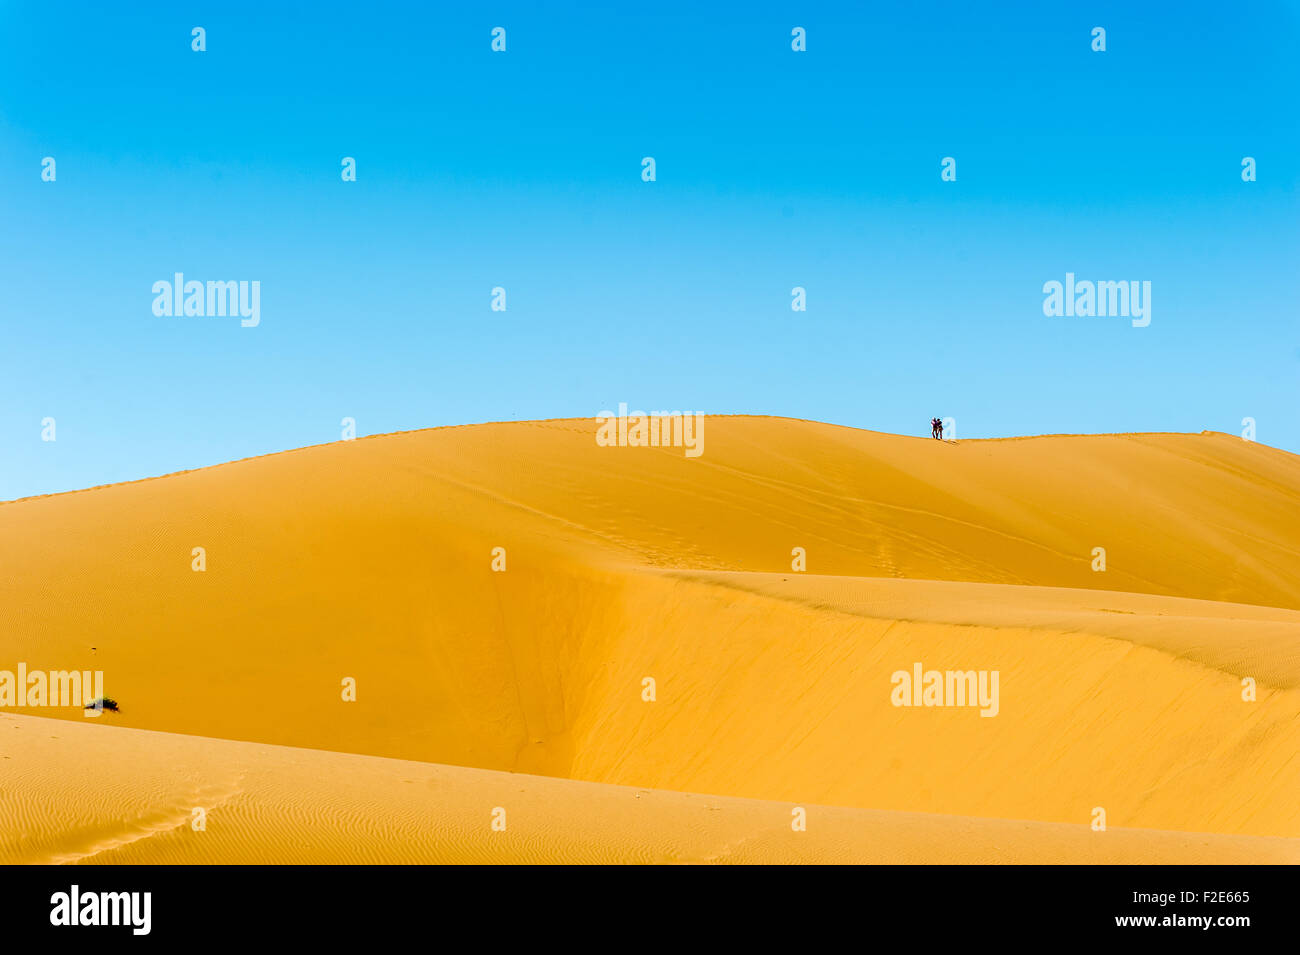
(133, 803)
(372, 560)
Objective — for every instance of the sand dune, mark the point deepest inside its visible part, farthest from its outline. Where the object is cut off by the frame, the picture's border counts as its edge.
(372, 560)
(134, 801)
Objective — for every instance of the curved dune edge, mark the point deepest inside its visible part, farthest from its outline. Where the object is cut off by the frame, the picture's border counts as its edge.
(87, 794)
(1236, 639)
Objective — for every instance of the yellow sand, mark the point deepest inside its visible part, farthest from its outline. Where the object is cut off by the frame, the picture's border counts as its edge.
(372, 560)
(133, 796)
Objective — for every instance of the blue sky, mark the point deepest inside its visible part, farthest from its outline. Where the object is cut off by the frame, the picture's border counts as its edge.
(522, 169)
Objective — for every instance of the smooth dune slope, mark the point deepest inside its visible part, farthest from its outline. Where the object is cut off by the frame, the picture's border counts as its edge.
(372, 560)
(135, 801)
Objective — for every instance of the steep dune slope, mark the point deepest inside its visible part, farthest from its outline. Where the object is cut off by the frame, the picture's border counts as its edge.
(1136, 707)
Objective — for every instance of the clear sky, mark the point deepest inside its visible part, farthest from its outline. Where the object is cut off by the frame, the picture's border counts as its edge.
(522, 169)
